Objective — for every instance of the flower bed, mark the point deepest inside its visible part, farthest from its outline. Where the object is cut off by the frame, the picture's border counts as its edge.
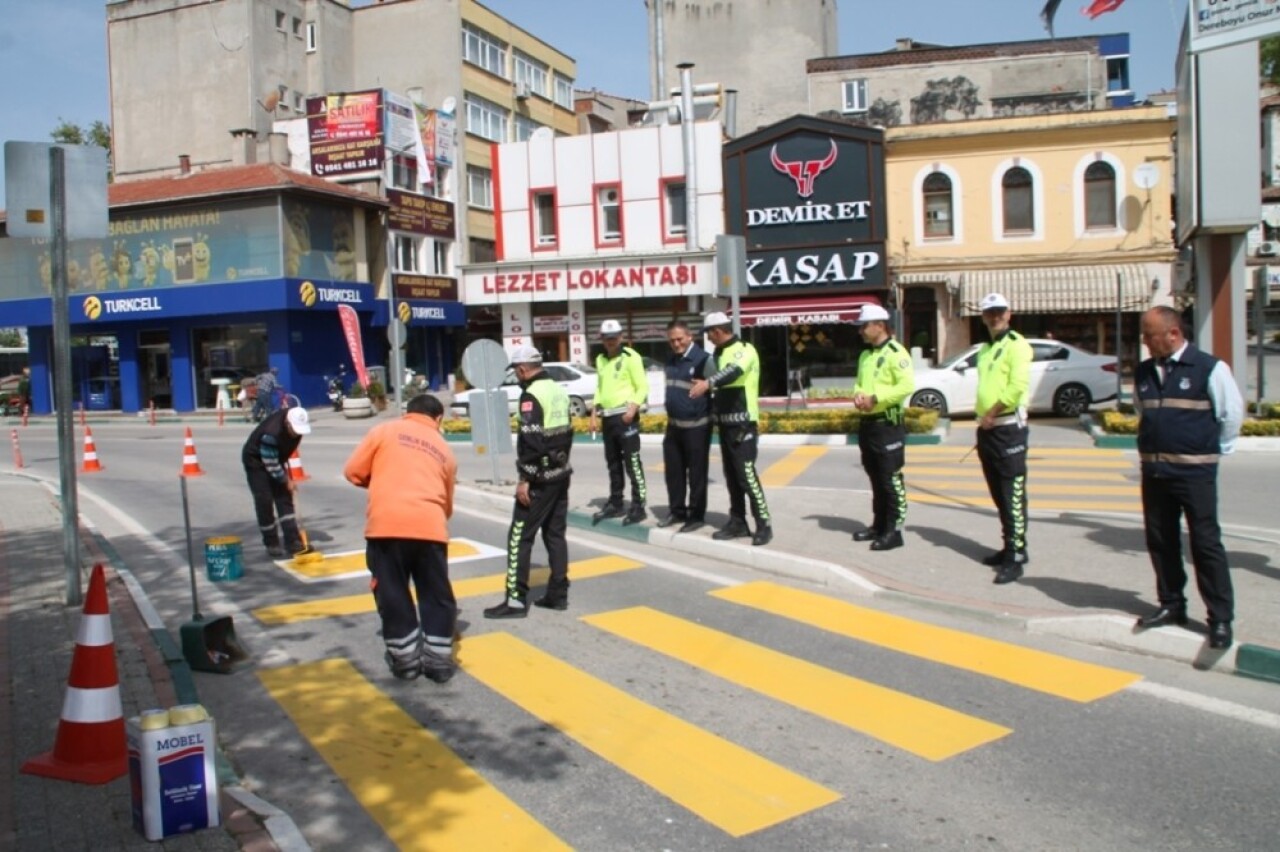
(1116, 423)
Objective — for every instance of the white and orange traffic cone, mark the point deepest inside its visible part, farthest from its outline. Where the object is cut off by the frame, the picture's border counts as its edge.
(296, 473)
(90, 747)
(91, 463)
(190, 463)
(17, 450)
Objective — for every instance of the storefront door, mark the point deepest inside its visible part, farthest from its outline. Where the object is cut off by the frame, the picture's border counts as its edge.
(155, 368)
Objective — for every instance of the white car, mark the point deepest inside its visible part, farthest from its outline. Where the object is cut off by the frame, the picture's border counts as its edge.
(578, 380)
(1065, 380)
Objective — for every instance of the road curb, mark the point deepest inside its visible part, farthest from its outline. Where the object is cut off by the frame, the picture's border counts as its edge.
(1258, 662)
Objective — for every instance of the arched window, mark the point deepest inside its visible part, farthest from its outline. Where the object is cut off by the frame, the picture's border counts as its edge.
(938, 219)
(1019, 201)
(1100, 195)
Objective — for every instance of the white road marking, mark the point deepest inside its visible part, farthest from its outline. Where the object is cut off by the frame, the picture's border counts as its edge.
(1208, 704)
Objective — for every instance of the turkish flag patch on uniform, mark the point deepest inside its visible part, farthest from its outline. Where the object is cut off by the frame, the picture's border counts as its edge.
(526, 406)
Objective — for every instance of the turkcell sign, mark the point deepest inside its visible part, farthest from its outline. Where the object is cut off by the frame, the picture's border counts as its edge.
(808, 196)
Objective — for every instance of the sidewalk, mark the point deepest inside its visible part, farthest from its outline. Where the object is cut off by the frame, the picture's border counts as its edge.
(37, 640)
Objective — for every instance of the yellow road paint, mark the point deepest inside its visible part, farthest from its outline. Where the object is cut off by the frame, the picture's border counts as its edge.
(974, 472)
(351, 563)
(1038, 486)
(784, 471)
(1035, 504)
(471, 587)
(912, 724)
(726, 785)
(1025, 667)
(414, 786)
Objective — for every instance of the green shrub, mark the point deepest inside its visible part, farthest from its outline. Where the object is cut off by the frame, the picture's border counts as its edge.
(1267, 411)
(1119, 423)
(1261, 428)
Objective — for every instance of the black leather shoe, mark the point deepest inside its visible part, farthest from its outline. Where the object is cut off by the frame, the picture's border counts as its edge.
(635, 515)
(1010, 570)
(670, 519)
(275, 551)
(559, 602)
(694, 524)
(1000, 557)
(507, 610)
(995, 560)
(1219, 635)
(1164, 616)
(609, 511)
(736, 528)
(764, 535)
(889, 541)
(865, 535)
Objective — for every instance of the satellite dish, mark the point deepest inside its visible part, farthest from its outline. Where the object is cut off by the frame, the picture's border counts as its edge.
(448, 105)
(1271, 215)
(542, 133)
(1146, 176)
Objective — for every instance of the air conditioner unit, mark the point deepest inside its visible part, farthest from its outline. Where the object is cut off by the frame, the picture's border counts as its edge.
(1268, 249)
(522, 91)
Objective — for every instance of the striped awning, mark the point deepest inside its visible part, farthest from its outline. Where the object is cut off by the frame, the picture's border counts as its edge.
(1061, 289)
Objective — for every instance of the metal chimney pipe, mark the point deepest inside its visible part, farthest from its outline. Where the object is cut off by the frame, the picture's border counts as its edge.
(690, 157)
(659, 51)
(731, 113)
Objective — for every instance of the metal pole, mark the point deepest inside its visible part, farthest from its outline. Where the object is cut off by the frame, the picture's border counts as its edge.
(690, 157)
(191, 555)
(1119, 351)
(62, 377)
(660, 51)
(1261, 298)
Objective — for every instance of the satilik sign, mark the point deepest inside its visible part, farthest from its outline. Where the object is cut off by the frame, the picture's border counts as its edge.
(808, 196)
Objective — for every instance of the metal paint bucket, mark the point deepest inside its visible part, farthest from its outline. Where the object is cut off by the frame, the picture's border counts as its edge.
(222, 558)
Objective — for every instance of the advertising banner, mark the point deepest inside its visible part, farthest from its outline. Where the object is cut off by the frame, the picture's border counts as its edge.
(446, 127)
(437, 288)
(637, 279)
(1218, 23)
(345, 132)
(351, 331)
(427, 134)
(419, 214)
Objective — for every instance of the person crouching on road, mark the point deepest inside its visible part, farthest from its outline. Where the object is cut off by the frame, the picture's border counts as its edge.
(543, 445)
(686, 447)
(621, 394)
(736, 410)
(409, 471)
(266, 465)
(885, 379)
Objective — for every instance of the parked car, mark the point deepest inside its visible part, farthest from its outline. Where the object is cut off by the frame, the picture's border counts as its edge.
(1065, 380)
(578, 380)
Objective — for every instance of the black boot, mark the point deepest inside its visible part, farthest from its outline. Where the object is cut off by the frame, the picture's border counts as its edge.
(610, 510)
(736, 528)
(635, 515)
(509, 608)
(764, 535)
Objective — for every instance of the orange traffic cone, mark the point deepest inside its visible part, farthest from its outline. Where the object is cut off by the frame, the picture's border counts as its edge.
(17, 450)
(90, 747)
(190, 464)
(91, 463)
(296, 473)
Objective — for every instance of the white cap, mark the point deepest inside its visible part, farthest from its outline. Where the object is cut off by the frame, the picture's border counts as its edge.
(610, 328)
(873, 313)
(993, 302)
(714, 319)
(526, 355)
(299, 421)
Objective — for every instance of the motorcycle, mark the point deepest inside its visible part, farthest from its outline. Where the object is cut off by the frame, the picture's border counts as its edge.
(337, 388)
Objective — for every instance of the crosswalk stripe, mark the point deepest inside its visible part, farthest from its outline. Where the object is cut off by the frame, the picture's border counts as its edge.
(1034, 503)
(1025, 667)
(1037, 487)
(490, 584)
(724, 784)
(344, 566)
(976, 473)
(784, 471)
(912, 724)
(1034, 451)
(414, 786)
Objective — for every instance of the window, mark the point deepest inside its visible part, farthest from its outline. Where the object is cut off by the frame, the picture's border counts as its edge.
(1048, 352)
(299, 103)
(609, 214)
(1019, 204)
(404, 172)
(1099, 195)
(530, 73)
(483, 251)
(479, 187)
(854, 96)
(440, 257)
(486, 119)
(1117, 75)
(673, 209)
(543, 209)
(564, 91)
(524, 127)
(311, 36)
(296, 26)
(407, 253)
(938, 220)
(281, 17)
(480, 48)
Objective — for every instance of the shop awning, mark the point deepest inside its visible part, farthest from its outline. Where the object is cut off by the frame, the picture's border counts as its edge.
(1060, 289)
(812, 310)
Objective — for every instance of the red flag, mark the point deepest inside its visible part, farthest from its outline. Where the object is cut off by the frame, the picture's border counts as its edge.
(351, 329)
(1101, 7)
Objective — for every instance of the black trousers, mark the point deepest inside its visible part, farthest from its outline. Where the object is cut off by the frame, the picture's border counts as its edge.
(884, 451)
(738, 448)
(1003, 452)
(548, 512)
(273, 501)
(622, 452)
(685, 455)
(1165, 500)
(394, 563)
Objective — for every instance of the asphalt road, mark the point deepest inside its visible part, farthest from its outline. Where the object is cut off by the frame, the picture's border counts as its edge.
(665, 710)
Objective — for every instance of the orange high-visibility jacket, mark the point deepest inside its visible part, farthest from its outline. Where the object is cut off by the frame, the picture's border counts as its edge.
(410, 471)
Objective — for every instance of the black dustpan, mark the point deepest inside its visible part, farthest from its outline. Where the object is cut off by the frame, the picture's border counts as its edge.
(208, 644)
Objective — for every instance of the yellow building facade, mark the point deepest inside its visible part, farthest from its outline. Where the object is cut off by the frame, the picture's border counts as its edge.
(1069, 216)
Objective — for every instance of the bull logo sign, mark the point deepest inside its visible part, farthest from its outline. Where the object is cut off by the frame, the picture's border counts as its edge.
(804, 172)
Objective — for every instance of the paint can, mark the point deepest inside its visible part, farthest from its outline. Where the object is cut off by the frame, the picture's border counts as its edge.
(223, 558)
